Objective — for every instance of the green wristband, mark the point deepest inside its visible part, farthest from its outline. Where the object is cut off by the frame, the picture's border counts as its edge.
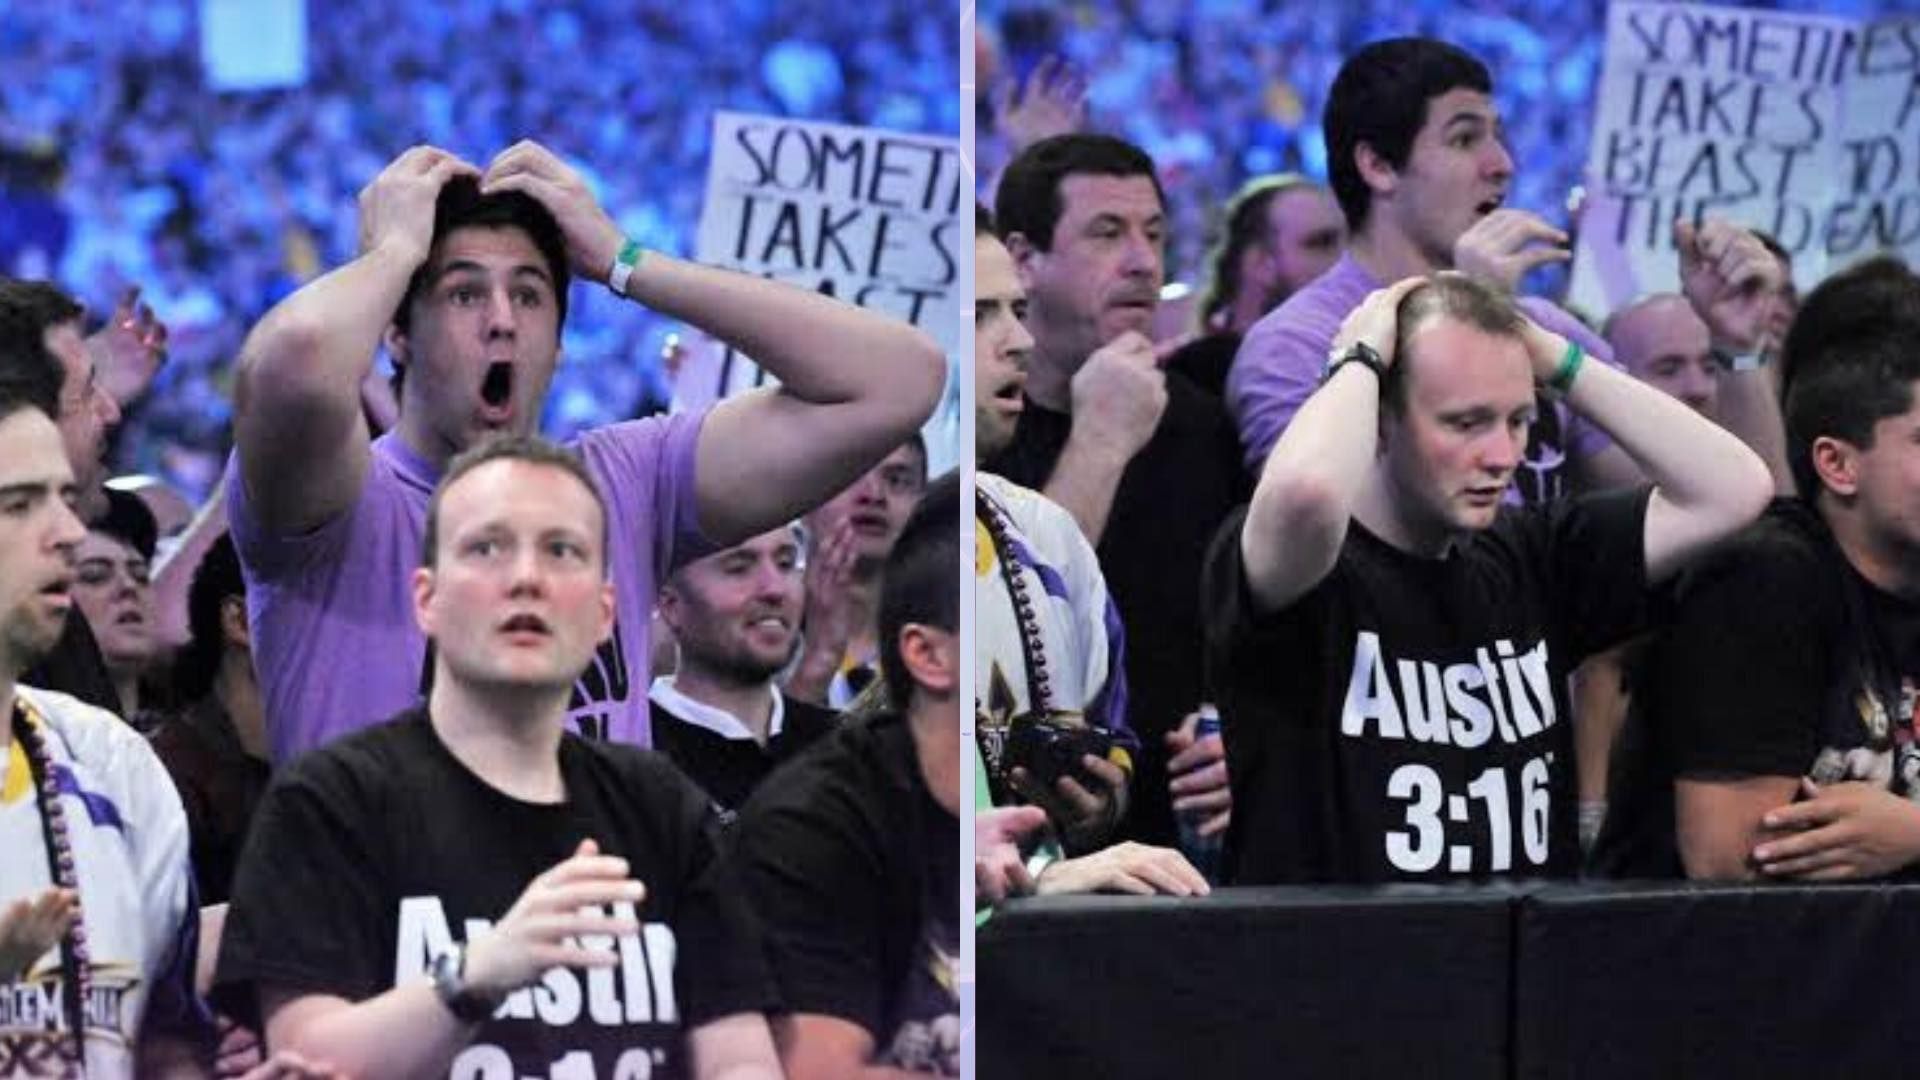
(1563, 376)
(623, 266)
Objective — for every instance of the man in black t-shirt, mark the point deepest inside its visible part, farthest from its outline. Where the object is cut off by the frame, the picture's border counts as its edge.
(850, 855)
(470, 890)
(1779, 710)
(735, 617)
(1147, 463)
(1391, 645)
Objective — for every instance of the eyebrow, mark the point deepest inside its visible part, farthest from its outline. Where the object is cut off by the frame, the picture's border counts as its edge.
(464, 266)
(1464, 116)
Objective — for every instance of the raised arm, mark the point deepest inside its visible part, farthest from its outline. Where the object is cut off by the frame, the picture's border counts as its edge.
(1307, 489)
(302, 439)
(1707, 483)
(853, 384)
(1731, 281)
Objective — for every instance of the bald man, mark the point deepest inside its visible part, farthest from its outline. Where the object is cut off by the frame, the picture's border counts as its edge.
(1662, 342)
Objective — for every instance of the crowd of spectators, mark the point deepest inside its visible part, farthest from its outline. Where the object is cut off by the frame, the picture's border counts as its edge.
(120, 165)
(1217, 91)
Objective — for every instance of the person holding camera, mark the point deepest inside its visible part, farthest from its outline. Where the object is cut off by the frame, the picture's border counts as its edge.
(1049, 687)
(1415, 730)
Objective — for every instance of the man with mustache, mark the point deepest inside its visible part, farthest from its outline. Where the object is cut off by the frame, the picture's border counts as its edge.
(463, 275)
(735, 617)
(1144, 461)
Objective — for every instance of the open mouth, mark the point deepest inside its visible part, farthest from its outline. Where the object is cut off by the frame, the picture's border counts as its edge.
(1010, 395)
(130, 618)
(497, 388)
(60, 590)
(525, 624)
(1488, 206)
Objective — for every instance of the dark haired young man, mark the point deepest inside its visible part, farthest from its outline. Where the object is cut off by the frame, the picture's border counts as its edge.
(1416, 157)
(850, 855)
(464, 276)
(1391, 643)
(470, 889)
(97, 926)
(1779, 708)
(1145, 461)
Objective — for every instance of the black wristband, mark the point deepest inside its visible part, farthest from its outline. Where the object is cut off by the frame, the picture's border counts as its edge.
(1359, 353)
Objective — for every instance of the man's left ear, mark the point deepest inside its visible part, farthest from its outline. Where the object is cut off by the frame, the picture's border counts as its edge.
(931, 657)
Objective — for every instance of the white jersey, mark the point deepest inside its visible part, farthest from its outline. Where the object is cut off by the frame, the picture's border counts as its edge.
(129, 838)
(1079, 627)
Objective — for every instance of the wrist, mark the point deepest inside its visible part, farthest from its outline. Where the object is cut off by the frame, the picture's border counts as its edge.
(1732, 357)
(462, 987)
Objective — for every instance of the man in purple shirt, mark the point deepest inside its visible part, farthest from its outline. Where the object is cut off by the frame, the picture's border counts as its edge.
(463, 275)
(1416, 159)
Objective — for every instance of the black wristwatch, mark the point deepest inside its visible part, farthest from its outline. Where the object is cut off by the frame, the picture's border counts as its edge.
(1358, 353)
(449, 972)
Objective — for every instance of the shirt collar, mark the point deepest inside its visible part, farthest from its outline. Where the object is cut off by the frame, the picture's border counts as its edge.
(717, 720)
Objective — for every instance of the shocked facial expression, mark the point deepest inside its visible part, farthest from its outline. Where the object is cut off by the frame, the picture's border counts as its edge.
(1103, 272)
(1001, 346)
(736, 613)
(483, 341)
(1456, 173)
(875, 507)
(39, 533)
(518, 596)
(114, 590)
(1453, 447)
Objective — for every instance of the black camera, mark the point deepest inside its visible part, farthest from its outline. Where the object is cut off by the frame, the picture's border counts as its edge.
(1049, 748)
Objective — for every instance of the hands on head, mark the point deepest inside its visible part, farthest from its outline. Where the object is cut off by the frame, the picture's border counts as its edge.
(396, 208)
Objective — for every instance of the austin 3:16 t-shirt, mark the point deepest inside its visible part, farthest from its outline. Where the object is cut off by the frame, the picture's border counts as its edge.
(1406, 719)
(372, 855)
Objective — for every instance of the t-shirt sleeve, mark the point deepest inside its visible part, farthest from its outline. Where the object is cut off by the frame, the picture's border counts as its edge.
(1278, 368)
(720, 969)
(271, 556)
(1737, 685)
(647, 469)
(819, 894)
(309, 864)
(1596, 549)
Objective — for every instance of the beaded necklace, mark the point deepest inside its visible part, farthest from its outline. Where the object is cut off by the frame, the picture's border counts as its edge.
(75, 968)
(1032, 649)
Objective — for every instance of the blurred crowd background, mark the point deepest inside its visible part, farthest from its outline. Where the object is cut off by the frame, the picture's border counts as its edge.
(1219, 91)
(120, 162)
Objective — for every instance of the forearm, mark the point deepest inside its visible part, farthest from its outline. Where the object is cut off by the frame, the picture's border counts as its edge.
(823, 351)
(812, 676)
(169, 1058)
(1697, 466)
(1084, 481)
(404, 1032)
(1750, 409)
(1311, 483)
(321, 340)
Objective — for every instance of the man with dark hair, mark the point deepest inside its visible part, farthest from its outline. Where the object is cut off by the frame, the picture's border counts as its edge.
(735, 617)
(97, 925)
(1143, 460)
(1779, 708)
(42, 352)
(1392, 644)
(216, 747)
(1416, 156)
(1279, 232)
(479, 818)
(849, 855)
(466, 286)
(1047, 639)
